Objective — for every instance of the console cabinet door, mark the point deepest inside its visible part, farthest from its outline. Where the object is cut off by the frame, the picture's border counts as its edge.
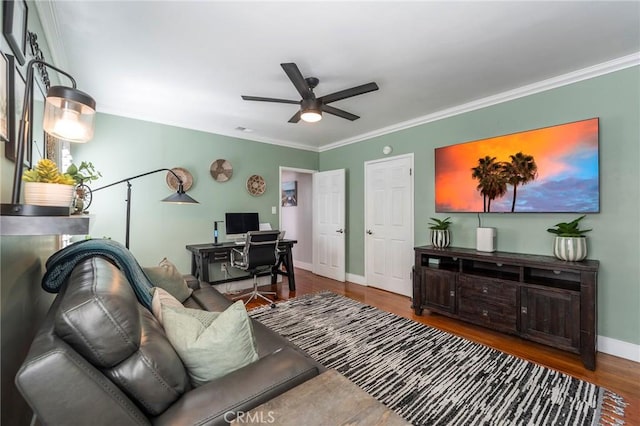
(551, 317)
(439, 289)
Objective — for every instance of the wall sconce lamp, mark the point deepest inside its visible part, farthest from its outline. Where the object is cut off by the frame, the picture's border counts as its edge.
(180, 197)
(311, 110)
(68, 114)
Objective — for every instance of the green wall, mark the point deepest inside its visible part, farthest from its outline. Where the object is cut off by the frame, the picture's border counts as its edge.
(615, 239)
(125, 147)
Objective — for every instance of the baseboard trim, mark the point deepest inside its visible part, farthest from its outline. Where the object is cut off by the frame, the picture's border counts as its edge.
(303, 265)
(619, 348)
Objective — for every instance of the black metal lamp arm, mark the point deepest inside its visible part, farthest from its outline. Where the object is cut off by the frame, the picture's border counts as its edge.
(25, 125)
(128, 220)
(180, 183)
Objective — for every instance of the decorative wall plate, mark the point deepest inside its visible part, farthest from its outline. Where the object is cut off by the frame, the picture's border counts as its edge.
(221, 170)
(185, 176)
(256, 185)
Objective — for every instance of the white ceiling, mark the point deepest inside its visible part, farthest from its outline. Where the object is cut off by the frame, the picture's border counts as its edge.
(186, 63)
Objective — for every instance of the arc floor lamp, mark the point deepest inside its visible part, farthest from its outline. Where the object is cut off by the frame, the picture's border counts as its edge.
(68, 114)
(180, 197)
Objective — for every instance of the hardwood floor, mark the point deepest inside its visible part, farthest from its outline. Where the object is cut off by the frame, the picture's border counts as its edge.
(616, 374)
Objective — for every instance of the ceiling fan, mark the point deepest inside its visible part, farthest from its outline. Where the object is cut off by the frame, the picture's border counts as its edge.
(311, 108)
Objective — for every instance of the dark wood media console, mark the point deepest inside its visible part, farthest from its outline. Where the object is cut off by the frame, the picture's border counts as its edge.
(536, 297)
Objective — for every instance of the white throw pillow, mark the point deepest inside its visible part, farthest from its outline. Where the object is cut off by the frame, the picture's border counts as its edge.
(211, 344)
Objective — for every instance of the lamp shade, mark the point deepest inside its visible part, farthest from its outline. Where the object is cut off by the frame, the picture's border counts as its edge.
(69, 114)
(180, 197)
(311, 110)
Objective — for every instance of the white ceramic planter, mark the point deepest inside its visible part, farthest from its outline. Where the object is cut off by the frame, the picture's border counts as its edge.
(440, 238)
(48, 194)
(571, 249)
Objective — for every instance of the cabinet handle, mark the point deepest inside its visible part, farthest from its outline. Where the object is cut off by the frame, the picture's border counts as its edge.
(452, 293)
(523, 309)
(485, 313)
(485, 290)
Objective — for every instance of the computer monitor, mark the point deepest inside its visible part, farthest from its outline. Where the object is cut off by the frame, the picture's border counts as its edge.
(238, 224)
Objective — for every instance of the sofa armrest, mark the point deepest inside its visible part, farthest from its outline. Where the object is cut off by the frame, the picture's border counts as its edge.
(218, 401)
(192, 282)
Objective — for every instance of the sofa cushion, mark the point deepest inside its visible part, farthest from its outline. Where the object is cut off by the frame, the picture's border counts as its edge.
(167, 276)
(99, 316)
(211, 344)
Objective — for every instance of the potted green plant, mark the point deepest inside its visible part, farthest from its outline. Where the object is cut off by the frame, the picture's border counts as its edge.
(570, 244)
(440, 235)
(83, 174)
(44, 185)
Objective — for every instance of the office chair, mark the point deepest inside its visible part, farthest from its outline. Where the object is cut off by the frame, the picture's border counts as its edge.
(260, 252)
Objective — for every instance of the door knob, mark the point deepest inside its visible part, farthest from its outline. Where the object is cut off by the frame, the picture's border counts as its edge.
(369, 232)
(340, 231)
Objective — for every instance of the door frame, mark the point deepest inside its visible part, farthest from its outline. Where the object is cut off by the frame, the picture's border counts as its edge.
(278, 195)
(411, 157)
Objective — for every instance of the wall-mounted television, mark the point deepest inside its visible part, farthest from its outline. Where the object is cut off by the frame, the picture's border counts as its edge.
(237, 224)
(553, 169)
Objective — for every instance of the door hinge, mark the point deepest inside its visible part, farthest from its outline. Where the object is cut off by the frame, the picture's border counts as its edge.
(410, 171)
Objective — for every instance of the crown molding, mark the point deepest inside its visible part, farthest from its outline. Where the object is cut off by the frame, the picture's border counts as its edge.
(541, 86)
(51, 28)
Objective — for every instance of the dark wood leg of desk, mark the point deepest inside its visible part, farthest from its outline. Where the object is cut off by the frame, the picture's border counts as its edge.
(285, 259)
(204, 267)
(290, 274)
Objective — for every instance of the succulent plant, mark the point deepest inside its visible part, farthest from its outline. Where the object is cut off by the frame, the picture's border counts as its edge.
(46, 171)
(569, 229)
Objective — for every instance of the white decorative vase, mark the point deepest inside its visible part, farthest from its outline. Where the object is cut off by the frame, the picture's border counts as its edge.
(48, 194)
(571, 249)
(440, 238)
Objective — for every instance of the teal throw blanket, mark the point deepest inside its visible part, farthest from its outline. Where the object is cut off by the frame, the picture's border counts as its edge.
(61, 263)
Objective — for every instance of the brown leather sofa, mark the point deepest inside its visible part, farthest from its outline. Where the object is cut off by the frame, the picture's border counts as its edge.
(101, 358)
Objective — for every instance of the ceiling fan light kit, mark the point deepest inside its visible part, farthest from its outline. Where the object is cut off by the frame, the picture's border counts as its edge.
(311, 108)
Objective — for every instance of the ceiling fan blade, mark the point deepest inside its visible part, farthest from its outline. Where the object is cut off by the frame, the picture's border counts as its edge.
(297, 79)
(339, 112)
(258, 98)
(347, 93)
(296, 117)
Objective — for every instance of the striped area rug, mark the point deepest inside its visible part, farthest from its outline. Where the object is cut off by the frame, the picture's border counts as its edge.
(431, 377)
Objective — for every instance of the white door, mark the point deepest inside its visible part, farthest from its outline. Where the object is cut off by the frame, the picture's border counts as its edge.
(329, 224)
(389, 223)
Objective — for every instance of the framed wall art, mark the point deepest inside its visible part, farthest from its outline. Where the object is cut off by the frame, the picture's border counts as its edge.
(16, 88)
(290, 194)
(4, 98)
(14, 27)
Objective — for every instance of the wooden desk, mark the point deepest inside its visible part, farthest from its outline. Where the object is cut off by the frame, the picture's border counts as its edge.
(202, 255)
